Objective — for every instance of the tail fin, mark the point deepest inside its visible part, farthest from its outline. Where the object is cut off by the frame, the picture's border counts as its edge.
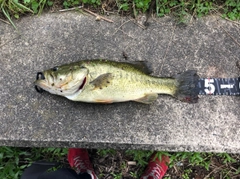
(187, 90)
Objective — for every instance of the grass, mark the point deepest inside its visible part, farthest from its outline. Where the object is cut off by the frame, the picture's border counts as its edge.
(14, 160)
(183, 165)
(198, 8)
(182, 10)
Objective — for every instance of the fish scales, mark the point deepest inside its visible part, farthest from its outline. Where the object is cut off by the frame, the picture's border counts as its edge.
(132, 82)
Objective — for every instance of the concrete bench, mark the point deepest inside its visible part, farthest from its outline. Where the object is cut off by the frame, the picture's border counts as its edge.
(32, 119)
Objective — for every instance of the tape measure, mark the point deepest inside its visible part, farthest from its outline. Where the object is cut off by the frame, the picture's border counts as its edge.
(219, 86)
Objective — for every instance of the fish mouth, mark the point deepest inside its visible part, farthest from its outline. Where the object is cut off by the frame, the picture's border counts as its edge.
(82, 85)
(41, 76)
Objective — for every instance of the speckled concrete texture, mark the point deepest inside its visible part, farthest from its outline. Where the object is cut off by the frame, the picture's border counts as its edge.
(32, 119)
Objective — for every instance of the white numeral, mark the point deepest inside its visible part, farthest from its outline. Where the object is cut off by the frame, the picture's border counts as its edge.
(210, 88)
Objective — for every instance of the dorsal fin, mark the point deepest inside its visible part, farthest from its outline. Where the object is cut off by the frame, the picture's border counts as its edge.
(143, 66)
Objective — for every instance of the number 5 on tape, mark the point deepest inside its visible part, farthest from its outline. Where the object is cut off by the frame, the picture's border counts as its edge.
(209, 86)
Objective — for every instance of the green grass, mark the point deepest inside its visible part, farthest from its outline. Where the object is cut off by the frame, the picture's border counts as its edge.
(14, 160)
(198, 8)
(182, 10)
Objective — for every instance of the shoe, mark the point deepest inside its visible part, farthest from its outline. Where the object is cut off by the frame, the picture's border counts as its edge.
(156, 168)
(79, 160)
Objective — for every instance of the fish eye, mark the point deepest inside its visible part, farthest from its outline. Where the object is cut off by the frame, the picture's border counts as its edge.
(55, 68)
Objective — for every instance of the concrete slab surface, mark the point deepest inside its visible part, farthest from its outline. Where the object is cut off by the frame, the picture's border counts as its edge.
(210, 45)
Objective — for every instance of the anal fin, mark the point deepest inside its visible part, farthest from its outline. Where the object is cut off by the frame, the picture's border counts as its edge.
(103, 101)
(148, 98)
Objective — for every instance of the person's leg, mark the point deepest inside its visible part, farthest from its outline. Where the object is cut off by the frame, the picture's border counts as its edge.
(156, 168)
(80, 162)
(36, 169)
(41, 170)
(62, 173)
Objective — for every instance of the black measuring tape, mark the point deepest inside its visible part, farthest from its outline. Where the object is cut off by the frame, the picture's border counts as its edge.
(219, 86)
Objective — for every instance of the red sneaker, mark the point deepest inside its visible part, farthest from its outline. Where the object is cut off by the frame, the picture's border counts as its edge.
(156, 169)
(79, 160)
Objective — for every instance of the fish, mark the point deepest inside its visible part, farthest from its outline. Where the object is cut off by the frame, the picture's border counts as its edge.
(106, 81)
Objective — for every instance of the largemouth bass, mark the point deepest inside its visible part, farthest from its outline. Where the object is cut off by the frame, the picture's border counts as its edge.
(104, 81)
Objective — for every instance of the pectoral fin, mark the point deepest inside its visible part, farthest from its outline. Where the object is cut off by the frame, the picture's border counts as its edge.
(148, 98)
(102, 81)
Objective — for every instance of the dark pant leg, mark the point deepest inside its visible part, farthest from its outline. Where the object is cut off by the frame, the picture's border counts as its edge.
(63, 173)
(36, 169)
(40, 170)
(84, 176)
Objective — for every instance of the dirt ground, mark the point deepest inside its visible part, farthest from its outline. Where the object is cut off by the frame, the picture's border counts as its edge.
(120, 165)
